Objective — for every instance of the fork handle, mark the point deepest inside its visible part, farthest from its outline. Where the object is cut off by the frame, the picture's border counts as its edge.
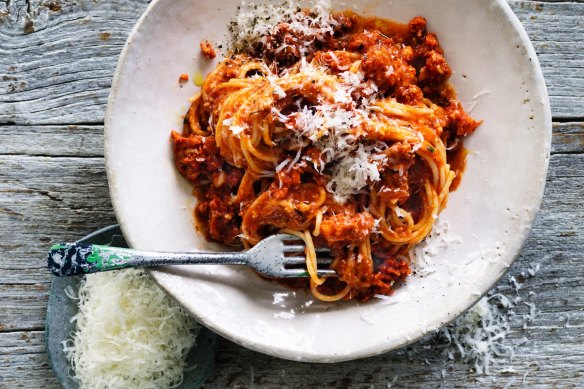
(70, 259)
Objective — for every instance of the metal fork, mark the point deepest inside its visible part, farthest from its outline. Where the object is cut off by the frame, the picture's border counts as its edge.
(279, 256)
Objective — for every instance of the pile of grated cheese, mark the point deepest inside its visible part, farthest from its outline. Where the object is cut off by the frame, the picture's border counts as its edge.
(129, 334)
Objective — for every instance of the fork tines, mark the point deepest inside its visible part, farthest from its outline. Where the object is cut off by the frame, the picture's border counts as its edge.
(295, 256)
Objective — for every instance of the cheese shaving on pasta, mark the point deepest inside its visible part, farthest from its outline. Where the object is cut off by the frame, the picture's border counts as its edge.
(254, 21)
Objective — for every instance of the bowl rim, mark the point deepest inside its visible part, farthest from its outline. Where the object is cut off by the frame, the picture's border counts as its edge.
(285, 353)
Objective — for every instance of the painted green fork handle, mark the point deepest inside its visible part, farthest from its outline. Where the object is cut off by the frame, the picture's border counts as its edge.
(69, 259)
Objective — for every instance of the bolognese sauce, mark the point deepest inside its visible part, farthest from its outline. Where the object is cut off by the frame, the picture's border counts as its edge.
(339, 129)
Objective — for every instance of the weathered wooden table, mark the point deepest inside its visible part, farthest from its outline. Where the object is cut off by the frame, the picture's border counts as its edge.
(57, 58)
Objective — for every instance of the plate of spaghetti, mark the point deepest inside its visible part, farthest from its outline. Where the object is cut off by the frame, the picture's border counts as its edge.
(412, 147)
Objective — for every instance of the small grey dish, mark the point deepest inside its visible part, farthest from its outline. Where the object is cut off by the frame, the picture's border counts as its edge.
(59, 326)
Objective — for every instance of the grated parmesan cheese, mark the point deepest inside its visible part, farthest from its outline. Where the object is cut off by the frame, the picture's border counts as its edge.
(333, 130)
(237, 129)
(351, 174)
(479, 337)
(129, 334)
(254, 22)
(331, 126)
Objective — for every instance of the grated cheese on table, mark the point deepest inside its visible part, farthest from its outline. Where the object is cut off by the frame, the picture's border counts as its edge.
(479, 337)
(129, 333)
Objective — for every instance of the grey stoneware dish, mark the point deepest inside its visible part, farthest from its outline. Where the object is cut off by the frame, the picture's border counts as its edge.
(61, 308)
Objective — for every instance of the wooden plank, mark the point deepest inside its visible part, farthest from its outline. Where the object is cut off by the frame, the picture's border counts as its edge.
(54, 141)
(21, 342)
(537, 364)
(23, 306)
(553, 354)
(57, 61)
(51, 199)
(24, 362)
(80, 43)
(568, 138)
(44, 200)
(557, 32)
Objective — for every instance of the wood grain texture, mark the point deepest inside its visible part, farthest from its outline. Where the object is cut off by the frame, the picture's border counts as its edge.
(556, 31)
(52, 141)
(57, 58)
(23, 306)
(568, 138)
(57, 61)
(23, 361)
(44, 200)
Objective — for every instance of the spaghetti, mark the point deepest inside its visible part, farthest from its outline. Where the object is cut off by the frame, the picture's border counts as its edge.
(336, 129)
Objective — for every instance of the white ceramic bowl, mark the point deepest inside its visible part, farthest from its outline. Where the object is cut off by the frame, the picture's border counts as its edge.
(496, 72)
